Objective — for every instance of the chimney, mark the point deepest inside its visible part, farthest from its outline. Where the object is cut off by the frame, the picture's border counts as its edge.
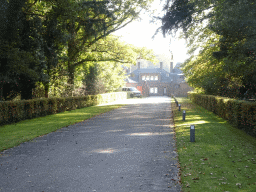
(161, 65)
(171, 67)
(138, 65)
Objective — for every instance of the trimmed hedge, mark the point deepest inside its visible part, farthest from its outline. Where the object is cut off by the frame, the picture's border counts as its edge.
(14, 111)
(239, 113)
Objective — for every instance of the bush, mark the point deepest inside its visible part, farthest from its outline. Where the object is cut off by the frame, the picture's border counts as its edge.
(14, 111)
(239, 113)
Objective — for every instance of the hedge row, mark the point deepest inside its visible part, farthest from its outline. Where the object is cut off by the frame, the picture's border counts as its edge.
(239, 113)
(14, 111)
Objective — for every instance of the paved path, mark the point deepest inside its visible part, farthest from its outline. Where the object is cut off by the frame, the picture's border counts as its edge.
(124, 150)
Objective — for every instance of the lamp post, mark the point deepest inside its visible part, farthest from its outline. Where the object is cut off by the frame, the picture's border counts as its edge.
(184, 115)
(192, 133)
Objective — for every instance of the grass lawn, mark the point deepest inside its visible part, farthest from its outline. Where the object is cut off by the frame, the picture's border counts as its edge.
(15, 134)
(222, 158)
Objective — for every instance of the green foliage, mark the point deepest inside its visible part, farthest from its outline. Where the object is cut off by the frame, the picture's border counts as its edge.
(21, 54)
(92, 80)
(224, 32)
(222, 157)
(240, 114)
(15, 134)
(15, 111)
(48, 42)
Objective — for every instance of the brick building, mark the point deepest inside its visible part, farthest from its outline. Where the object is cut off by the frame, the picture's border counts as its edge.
(157, 81)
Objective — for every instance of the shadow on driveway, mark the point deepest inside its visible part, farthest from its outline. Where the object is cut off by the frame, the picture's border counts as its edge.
(128, 149)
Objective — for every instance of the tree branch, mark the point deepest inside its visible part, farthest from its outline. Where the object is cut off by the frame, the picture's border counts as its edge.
(99, 60)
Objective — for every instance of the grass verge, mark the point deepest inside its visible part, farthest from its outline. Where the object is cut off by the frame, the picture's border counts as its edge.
(222, 158)
(15, 134)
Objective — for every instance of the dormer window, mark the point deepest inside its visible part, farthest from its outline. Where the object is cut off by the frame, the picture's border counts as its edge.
(147, 78)
(143, 78)
(156, 77)
(152, 78)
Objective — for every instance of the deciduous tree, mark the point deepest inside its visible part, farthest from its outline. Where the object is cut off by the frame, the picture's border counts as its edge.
(232, 26)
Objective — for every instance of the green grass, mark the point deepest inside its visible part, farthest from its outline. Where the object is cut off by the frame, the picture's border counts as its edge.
(15, 134)
(222, 158)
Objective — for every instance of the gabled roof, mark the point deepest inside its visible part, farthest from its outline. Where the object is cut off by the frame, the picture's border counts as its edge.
(148, 70)
(165, 76)
(129, 80)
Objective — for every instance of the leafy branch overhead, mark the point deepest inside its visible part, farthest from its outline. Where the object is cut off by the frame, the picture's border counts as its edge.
(38, 37)
(224, 34)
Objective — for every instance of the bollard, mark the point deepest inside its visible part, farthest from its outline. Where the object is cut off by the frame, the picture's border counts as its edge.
(184, 115)
(177, 103)
(192, 133)
(179, 107)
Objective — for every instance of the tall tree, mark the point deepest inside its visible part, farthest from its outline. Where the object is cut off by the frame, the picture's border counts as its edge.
(107, 71)
(96, 20)
(47, 34)
(22, 60)
(233, 27)
(237, 45)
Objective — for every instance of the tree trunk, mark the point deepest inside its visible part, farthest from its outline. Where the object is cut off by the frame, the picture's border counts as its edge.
(71, 73)
(71, 78)
(46, 89)
(71, 56)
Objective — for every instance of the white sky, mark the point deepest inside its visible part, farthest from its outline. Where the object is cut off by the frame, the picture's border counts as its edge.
(139, 33)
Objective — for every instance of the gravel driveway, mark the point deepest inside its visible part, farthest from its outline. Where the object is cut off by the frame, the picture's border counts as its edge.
(127, 149)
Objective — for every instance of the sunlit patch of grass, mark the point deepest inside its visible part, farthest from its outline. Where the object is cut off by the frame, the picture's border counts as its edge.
(222, 158)
(15, 134)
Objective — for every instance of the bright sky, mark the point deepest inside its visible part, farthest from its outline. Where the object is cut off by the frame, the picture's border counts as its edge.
(139, 33)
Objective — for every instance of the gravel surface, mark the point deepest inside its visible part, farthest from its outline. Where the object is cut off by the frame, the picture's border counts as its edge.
(129, 149)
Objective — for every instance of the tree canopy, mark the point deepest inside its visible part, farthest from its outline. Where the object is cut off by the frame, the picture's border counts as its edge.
(47, 41)
(224, 31)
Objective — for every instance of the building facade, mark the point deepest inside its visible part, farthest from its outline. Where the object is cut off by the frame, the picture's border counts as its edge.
(158, 82)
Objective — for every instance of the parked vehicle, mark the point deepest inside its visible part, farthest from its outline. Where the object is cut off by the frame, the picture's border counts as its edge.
(132, 91)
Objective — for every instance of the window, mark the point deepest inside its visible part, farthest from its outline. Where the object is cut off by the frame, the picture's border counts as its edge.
(147, 77)
(153, 90)
(143, 78)
(156, 77)
(152, 78)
